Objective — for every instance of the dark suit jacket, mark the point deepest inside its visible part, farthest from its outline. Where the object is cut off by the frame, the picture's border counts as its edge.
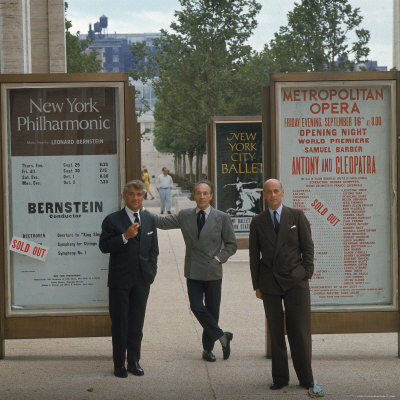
(278, 262)
(122, 256)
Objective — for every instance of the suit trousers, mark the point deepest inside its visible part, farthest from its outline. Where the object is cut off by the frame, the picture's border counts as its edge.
(205, 300)
(127, 312)
(298, 327)
(165, 199)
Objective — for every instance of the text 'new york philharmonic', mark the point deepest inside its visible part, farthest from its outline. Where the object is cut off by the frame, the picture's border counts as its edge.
(42, 123)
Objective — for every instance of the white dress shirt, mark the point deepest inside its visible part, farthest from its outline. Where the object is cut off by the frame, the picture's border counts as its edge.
(164, 182)
(132, 218)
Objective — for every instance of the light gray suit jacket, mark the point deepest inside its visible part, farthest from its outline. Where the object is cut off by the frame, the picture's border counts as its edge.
(200, 263)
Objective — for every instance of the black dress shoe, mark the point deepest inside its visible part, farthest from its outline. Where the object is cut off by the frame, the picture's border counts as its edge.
(208, 356)
(276, 386)
(135, 369)
(120, 372)
(226, 350)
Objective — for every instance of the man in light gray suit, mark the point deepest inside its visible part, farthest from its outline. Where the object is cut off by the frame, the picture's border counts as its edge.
(204, 229)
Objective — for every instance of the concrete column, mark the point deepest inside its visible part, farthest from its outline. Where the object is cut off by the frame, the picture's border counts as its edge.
(396, 34)
(15, 37)
(57, 45)
(32, 36)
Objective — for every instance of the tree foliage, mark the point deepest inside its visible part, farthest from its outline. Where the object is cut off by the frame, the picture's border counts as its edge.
(205, 68)
(78, 60)
(317, 38)
(193, 72)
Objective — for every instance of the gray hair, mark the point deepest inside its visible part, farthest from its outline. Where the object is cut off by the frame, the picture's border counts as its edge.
(136, 183)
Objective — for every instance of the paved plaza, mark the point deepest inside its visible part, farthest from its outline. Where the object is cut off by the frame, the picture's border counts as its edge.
(357, 366)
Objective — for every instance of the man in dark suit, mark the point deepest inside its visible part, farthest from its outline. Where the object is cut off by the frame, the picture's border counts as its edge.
(281, 263)
(204, 230)
(130, 236)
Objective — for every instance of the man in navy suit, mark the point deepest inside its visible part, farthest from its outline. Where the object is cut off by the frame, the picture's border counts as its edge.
(130, 236)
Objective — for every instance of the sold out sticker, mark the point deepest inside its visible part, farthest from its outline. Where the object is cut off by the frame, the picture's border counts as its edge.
(28, 248)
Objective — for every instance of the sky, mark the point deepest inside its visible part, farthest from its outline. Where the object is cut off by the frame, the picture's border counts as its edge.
(139, 16)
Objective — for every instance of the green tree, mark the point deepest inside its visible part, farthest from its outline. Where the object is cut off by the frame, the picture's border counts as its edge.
(249, 81)
(193, 71)
(78, 59)
(317, 38)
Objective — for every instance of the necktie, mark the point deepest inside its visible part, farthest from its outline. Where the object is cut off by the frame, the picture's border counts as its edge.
(137, 237)
(201, 219)
(276, 223)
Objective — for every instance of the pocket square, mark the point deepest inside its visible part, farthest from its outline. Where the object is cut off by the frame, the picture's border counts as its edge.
(293, 226)
(150, 233)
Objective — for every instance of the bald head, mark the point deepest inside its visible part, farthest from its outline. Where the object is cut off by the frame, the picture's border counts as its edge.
(273, 192)
(273, 180)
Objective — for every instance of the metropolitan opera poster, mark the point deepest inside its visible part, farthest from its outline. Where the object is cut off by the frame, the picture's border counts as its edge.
(336, 156)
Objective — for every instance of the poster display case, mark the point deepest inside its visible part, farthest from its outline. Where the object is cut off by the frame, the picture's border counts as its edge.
(331, 138)
(235, 144)
(62, 147)
(65, 140)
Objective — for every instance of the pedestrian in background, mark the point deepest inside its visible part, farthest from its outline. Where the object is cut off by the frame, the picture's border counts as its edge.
(164, 185)
(146, 180)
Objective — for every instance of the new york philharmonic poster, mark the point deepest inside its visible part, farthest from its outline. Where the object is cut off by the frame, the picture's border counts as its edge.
(63, 151)
(336, 160)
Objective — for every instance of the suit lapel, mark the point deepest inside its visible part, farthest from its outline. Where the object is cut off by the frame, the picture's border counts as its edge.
(283, 228)
(192, 222)
(125, 220)
(209, 225)
(143, 224)
(268, 227)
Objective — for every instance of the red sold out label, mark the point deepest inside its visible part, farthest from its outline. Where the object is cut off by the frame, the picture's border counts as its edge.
(28, 248)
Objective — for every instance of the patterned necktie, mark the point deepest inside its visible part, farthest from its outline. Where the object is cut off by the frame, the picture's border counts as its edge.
(201, 219)
(276, 223)
(137, 237)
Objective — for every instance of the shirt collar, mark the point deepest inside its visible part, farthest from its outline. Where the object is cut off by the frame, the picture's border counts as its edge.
(207, 210)
(130, 212)
(278, 210)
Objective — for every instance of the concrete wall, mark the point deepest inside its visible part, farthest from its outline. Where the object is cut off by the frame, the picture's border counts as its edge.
(396, 34)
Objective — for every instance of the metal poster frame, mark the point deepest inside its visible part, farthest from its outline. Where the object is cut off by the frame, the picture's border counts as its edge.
(372, 318)
(60, 323)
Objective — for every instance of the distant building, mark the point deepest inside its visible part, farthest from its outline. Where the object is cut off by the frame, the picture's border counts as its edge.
(366, 66)
(370, 66)
(115, 54)
(114, 49)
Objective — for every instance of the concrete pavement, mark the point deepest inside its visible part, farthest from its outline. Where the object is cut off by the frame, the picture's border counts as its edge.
(358, 366)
